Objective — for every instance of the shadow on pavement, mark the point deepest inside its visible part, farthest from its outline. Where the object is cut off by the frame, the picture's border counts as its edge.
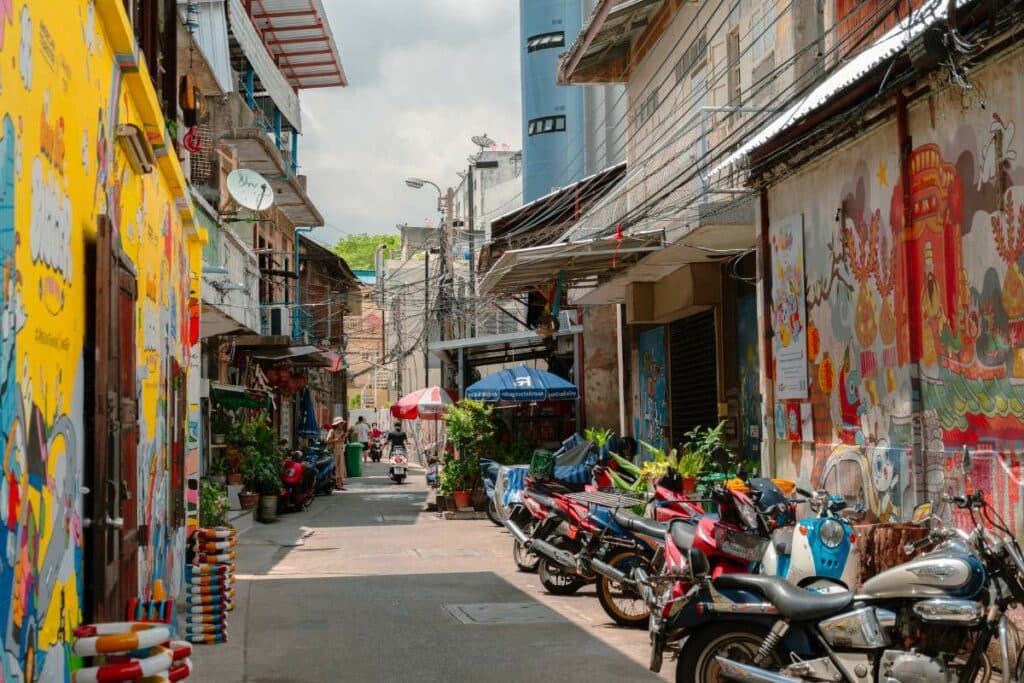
(408, 628)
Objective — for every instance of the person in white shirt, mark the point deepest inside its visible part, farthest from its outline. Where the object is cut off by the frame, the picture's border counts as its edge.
(361, 431)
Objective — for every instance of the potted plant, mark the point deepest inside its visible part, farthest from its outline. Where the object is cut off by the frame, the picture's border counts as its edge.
(249, 497)
(217, 468)
(260, 464)
(601, 438)
(457, 479)
(469, 428)
(699, 449)
(213, 504)
(220, 426)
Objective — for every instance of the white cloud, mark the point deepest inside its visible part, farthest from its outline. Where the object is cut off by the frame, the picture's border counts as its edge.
(424, 76)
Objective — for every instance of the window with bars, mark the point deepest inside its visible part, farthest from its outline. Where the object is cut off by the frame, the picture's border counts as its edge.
(543, 41)
(647, 107)
(694, 57)
(545, 124)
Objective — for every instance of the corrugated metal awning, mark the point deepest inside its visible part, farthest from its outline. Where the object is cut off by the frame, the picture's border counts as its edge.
(210, 35)
(585, 262)
(600, 54)
(299, 36)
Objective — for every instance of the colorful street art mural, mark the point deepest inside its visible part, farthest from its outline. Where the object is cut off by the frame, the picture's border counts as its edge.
(915, 302)
(62, 96)
(652, 404)
(749, 417)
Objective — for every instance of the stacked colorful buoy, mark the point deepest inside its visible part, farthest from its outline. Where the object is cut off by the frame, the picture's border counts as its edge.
(130, 651)
(210, 585)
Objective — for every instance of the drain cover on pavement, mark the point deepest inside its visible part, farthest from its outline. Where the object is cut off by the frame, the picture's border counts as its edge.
(503, 613)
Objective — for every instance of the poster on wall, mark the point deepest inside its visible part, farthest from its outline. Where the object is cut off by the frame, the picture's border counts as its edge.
(649, 424)
(789, 307)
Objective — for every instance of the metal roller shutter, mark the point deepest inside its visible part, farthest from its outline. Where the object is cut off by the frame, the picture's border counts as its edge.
(694, 374)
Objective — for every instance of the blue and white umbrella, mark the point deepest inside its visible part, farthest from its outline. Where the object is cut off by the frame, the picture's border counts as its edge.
(522, 384)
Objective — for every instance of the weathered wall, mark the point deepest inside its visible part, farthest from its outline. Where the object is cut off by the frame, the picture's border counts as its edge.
(601, 366)
(62, 95)
(916, 332)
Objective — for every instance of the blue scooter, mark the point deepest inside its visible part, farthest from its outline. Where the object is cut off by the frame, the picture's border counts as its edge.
(321, 462)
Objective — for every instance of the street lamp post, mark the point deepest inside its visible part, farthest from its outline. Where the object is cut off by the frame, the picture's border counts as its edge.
(417, 183)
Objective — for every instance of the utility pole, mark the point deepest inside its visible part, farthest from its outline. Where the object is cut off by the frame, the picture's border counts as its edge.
(472, 255)
(426, 317)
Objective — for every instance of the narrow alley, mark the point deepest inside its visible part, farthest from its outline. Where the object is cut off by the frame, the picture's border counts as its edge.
(366, 586)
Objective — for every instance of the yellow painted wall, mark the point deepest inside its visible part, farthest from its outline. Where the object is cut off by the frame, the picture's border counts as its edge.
(62, 96)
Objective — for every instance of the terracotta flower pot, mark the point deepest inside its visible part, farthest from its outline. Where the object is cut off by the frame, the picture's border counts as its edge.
(689, 484)
(248, 500)
(235, 478)
(462, 499)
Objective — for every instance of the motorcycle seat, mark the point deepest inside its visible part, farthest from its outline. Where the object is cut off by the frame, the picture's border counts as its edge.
(793, 603)
(683, 533)
(639, 524)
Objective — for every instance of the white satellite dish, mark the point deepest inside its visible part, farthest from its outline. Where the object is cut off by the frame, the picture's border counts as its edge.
(482, 141)
(250, 189)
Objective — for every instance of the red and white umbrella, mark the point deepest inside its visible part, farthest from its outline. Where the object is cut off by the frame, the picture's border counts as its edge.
(425, 404)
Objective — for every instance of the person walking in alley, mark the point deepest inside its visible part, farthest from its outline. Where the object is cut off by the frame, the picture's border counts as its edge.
(337, 437)
(361, 430)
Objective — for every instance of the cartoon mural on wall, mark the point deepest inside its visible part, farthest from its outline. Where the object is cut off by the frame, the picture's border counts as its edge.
(60, 167)
(921, 321)
(652, 401)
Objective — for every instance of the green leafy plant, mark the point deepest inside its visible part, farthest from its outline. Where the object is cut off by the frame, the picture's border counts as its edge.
(213, 504)
(699, 447)
(518, 453)
(261, 455)
(470, 428)
(219, 463)
(221, 422)
(600, 437)
(458, 474)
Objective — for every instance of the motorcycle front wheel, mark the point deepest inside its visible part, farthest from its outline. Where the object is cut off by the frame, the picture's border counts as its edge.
(735, 641)
(556, 579)
(624, 605)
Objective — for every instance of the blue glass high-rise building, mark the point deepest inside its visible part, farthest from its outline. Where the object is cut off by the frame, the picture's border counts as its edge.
(553, 131)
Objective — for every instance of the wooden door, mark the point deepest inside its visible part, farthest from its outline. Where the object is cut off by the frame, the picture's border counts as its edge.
(127, 434)
(114, 540)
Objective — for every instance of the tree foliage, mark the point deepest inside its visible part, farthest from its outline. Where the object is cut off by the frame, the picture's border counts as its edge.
(358, 250)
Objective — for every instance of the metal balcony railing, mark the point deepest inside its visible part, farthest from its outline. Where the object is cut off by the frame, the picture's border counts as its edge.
(303, 326)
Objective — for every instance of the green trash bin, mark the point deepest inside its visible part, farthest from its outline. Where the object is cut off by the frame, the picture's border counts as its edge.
(354, 459)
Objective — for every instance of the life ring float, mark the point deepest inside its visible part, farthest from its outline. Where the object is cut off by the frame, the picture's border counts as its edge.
(208, 568)
(129, 670)
(211, 579)
(119, 636)
(208, 638)
(179, 650)
(180, 670)
(196, 629)
(211, 598)
(220, 557)
(217, 608)
(204, 619)
(216, 532)
(214, 546)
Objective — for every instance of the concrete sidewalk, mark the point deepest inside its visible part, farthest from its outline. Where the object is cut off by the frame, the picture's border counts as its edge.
(366, 586)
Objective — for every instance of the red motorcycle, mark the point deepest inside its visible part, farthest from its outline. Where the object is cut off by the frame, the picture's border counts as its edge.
(749, 511)
(559, 519)
(298, 482)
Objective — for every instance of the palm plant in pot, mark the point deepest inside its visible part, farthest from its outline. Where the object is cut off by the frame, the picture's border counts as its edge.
(458, 478)
(261, 464)
(699, 448)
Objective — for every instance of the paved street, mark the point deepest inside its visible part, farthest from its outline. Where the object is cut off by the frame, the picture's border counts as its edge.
(365, 586)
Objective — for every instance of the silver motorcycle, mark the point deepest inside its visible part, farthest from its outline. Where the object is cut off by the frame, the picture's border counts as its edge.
(937, 618)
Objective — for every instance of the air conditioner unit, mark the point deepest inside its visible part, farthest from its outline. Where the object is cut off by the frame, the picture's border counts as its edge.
(277, 320)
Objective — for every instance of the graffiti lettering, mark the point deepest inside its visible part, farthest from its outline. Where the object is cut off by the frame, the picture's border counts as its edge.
(52, 340)
(50, 235)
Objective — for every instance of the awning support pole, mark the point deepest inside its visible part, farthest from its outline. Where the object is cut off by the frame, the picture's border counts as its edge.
(462, 372)
(622, 370)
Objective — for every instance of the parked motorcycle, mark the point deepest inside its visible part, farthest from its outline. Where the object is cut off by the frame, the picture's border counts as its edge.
(489, 470)
(321, 462)
(398, 468)
(932, 618)
(298, 482)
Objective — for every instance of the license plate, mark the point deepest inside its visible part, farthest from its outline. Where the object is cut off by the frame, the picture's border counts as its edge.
(399, 470)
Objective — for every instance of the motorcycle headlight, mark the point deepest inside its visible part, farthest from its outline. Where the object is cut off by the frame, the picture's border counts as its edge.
(290, 472)
(748, 514)
(831, 533)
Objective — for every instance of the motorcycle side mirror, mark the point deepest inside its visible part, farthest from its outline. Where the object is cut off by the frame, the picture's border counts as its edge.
(698, 563)
(922, 512)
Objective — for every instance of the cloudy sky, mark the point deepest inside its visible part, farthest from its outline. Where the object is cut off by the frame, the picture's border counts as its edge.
(424, 76)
